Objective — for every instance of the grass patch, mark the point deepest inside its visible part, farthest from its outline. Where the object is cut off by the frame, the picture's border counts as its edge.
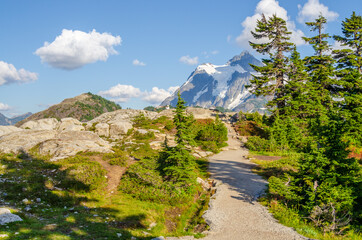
(119, 157)
(268, 168)
(290, 217)
(66, 199)
(274, 170)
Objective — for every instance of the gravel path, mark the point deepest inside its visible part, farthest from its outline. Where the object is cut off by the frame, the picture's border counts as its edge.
(234, 212)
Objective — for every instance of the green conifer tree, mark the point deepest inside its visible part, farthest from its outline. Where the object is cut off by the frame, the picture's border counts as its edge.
(349, 73)
(320, 68)
(297, 106)
(177, 164)
(182, 122)
(272, 78)
(328, 178)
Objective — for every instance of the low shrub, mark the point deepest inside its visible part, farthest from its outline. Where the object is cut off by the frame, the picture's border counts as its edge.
(141, 150)
(119, 157)
(143, 181)
(144, 136)
(210, 135)
(258, 144)
(249, 128)
(82, 174)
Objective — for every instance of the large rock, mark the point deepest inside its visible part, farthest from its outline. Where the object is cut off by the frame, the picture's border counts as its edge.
(116, 129)
(8, 129)
(70, 124)
(69, 143)
(119, 121)
(41, 124)
(122, 115)
(102, 129)
(7, 217)
(168, 113)
(200, 113)
(24, 140)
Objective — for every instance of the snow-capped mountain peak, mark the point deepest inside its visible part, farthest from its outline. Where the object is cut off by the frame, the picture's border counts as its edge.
(221, 85)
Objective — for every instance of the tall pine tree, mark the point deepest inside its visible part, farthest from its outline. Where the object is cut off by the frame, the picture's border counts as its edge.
(349, 73)
(328, 178)
(272, 78)
(320, 68)
(297, 106)
(177, 164)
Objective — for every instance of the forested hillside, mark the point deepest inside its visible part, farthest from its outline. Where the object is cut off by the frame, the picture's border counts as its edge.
(84, 107)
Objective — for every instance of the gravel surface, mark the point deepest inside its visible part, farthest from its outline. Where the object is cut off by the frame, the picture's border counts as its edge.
(234, 212)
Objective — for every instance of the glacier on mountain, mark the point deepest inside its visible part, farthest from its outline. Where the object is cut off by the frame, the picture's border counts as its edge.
(221, 86)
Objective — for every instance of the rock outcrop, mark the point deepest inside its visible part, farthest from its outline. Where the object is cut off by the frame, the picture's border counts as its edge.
(7, 217)
(8, 129)
(118, 122)
(70, 124)
(41, 124)
(67, 137)
(69, 143)
(24, 140)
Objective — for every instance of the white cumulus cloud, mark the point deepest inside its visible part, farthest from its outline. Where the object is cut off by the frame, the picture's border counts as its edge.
(121, 93)
(268, 8)
(137, 62)
(157, 95)
(312, 9)
(189, 60)
(74, 49)
(4, 107)
(9, 74)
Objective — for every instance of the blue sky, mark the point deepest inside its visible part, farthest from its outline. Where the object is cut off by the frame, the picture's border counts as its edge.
(134, 52)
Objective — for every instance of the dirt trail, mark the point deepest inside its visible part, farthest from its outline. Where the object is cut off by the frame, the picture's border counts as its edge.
(234, 212)
(114, 174)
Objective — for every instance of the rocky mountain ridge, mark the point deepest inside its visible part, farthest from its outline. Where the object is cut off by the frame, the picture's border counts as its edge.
(5, 121)
(222, 86)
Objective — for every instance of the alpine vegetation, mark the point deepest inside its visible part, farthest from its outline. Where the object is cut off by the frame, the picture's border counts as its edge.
(315, 124)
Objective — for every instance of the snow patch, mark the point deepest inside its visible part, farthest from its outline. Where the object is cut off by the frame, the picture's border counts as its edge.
(207, 67)
(196, 97)
(222, 75)
(238, 100)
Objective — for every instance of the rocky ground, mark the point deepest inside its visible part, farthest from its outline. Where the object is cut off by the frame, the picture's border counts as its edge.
(67, 137)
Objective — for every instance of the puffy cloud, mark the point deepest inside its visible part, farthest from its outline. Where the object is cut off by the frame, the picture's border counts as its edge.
(4, 107)
(136, 62)
(189, 60)
(9, 74)
(338, 46)
(74, 49)
(157, 95)
(312, 9)
(268, 8)
(121, 93)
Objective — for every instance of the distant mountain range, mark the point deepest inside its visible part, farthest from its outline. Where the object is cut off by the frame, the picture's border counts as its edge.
(222, 86)
(84, 107)
(4, 121)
